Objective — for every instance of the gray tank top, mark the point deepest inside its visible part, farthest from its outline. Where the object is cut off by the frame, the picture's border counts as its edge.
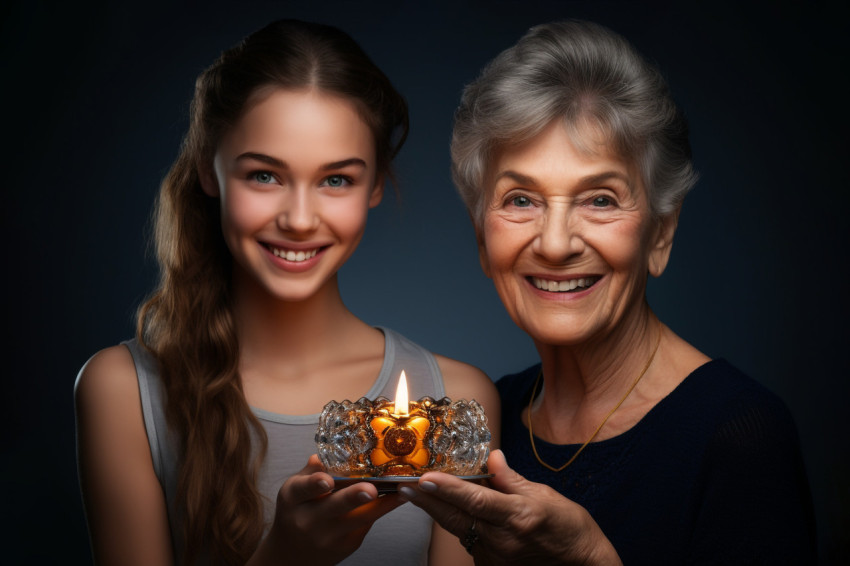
(291, 442)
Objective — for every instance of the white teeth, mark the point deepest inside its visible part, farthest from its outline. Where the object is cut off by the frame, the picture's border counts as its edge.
(563, 286)
(290, 255)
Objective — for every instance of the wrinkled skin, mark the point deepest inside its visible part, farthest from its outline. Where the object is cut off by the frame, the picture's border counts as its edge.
(517, 521)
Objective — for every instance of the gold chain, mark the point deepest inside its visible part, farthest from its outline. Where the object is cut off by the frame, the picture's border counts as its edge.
(592, 436)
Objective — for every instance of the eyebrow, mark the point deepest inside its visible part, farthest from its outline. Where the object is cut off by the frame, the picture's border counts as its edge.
(516, 177)
(602, 177)
(275, 162)
(589, 180)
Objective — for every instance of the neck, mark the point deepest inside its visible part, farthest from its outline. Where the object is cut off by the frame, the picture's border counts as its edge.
(280, 334)
(582, 382)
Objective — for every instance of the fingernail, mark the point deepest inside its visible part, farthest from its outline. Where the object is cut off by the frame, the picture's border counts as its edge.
(428, 486)
(324, 485)
(407, 493)
(364, 497)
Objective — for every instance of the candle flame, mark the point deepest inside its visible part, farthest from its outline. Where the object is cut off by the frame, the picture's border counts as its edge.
(401, 398)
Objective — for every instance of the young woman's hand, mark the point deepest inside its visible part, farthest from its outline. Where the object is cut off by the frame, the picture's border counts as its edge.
(316, 525)
(515, 522)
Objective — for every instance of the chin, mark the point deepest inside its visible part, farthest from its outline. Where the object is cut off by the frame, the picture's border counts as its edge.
(555, 333)
(558, 339)
(289, 293)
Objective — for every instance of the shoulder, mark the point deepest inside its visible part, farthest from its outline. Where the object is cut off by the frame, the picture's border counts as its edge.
(753, 475)
(740, 418)
(107, 397)
(124, 501)
(730, 393)
(516, 387)
(464, 381)
(108, 376)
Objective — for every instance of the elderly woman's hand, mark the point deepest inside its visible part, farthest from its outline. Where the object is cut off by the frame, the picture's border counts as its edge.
(516, 522)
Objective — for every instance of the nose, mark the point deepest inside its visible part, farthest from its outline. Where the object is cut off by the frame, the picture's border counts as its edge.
(299, 211)
(560, 234)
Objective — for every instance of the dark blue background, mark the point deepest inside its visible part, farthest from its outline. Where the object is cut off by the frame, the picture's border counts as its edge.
(95, 98)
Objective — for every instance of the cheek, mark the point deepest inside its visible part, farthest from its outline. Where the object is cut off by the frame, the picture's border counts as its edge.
(503, 242)
(504, 245)
(624, 247)
(346, 216)
(244, 212)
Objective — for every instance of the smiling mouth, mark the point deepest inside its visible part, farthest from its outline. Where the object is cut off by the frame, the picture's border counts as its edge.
(293, 255)
(567, 286)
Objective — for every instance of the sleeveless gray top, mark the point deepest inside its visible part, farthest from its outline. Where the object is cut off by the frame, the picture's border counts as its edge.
(401, 537)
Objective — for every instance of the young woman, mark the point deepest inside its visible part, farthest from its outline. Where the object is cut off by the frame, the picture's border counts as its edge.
(187, 434)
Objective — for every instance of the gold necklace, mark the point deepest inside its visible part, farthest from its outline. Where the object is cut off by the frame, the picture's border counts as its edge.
(592, 436)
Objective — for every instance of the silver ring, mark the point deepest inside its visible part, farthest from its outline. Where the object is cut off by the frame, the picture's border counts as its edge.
(471, 537)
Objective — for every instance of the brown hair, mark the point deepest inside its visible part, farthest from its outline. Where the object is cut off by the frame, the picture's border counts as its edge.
(188, 322)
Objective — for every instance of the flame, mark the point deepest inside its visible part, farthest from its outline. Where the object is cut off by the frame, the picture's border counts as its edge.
(401, 399)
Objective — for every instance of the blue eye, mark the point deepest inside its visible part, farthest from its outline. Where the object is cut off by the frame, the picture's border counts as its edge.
(337, 181)
(521, 201)
(264, 177)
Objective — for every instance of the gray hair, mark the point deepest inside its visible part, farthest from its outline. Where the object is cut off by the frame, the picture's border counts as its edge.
(586, 75)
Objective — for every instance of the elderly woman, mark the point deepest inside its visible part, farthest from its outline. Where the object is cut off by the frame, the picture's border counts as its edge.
(629, 444)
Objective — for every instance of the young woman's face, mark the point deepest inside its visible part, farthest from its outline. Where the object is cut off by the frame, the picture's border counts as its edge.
(296, 177)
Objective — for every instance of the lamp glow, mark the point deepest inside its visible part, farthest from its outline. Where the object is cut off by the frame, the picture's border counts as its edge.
(401, 407)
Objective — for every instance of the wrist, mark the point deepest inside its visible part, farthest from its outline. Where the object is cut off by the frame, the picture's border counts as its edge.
(603, 554)
(598, 549)
(276, 549)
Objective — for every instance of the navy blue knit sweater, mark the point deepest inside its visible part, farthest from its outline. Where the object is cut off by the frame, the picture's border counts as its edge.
(713, 474)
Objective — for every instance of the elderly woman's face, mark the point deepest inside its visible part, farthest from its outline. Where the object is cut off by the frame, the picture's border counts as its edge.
(568, 238)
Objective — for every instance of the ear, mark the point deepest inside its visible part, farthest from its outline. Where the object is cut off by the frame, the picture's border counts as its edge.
(209, 182)
(377, 194)
(662, 244)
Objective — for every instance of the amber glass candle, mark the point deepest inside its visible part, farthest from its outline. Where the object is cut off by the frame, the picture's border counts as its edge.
(402, 438)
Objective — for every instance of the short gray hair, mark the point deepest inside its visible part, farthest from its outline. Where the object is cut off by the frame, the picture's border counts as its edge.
(584, 74)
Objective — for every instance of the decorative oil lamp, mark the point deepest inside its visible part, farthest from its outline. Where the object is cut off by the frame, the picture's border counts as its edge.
(381, 439)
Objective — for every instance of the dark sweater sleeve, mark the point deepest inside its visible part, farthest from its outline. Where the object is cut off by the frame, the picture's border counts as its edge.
(756, 507)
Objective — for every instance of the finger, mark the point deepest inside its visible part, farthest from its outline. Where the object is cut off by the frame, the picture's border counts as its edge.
(313, 465)
(505, 478)
(300, 489)
(448, 516)
(311, 482)
(357, 506)
(473, 499)
(370, 512)
(348, 499)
